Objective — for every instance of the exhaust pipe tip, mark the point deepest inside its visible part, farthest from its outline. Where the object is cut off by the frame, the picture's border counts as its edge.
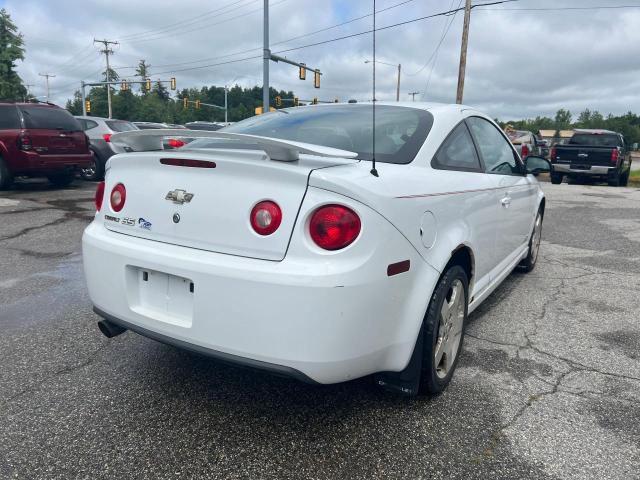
(110, 329)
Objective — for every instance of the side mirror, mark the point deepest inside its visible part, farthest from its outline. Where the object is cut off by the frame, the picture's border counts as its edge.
(536, 165)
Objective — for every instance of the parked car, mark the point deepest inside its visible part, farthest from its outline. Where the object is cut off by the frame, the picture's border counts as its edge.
(211, 126)
(99, 131)
(41, 140)
(599, 154)
(525, 142)
(296, 256)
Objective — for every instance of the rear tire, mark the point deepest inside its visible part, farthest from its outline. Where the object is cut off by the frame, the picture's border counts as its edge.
(556, 178)
(529, 262)
(95, 172)
(443, 328)
(6, 179)
(615, 180)
(625, 179)
(61, 179)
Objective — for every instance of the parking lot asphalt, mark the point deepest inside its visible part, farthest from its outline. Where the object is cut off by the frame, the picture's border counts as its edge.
(548, 385)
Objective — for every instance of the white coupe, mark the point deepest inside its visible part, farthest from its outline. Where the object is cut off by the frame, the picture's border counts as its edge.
(274, 244)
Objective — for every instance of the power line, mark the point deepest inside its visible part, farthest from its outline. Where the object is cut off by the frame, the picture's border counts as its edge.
(218, 57)
(182, 23)
(209, 25)
(553, 9)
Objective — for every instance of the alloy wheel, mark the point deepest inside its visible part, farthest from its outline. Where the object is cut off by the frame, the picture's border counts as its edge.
(450, 329)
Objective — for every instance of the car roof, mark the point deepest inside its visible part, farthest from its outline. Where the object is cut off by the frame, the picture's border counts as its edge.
(595, 131)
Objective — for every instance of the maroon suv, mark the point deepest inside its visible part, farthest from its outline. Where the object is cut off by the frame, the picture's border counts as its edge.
(40, 140)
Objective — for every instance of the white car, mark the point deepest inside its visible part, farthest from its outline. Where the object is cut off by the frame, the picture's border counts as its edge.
(272, 243)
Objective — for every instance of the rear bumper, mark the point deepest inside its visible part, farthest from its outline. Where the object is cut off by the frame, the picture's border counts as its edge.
(34, 163)
(315, 320)
(595, 170)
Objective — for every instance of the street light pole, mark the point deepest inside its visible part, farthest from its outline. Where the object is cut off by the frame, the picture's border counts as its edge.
(47, 76)
(398, 80)
(266, 58)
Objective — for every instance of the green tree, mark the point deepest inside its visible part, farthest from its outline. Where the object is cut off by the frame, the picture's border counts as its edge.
(11, 50)
(563, 119)
(142, 72)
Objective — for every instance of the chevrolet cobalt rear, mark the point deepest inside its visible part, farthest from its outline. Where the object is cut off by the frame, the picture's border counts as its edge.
(273, 244)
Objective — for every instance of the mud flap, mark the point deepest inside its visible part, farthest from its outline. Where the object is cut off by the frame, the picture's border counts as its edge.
(407, 381)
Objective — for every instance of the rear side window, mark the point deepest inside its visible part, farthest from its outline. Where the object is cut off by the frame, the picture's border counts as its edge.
(9, 119)
(49, 118)
(121, 126)
(89, 124)
(457, 152)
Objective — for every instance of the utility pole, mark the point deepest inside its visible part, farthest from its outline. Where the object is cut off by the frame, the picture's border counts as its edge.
(413, 95)
(266, 58)
(47, 76)
(107, 51)
(226, 107)
(398, 87)
(463, 51)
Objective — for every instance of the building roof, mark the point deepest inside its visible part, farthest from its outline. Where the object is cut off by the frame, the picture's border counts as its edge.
(552, 133)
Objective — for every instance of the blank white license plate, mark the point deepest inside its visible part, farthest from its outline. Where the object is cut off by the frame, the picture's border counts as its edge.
(165, 297)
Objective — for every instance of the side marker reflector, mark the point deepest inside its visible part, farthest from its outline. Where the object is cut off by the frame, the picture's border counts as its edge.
(397, 268)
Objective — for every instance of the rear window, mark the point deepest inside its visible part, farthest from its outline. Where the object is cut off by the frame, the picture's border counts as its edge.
(50, 118)
(400, 131)
(120, 126)
(595, 140)
(9, 118)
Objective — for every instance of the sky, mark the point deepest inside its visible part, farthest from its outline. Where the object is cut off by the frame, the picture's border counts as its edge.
(523, 60)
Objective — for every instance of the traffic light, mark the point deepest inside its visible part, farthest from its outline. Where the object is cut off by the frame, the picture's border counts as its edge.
(148, 85)
(278, 101)
(197, 104)
(303, 71)
(185, 103)
(316, 78)
(87, 106)
(124, 86)
(296, 101)
(173, 83)
(314, 101)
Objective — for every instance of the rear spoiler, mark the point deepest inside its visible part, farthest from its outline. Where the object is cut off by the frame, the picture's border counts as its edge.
(283, 150)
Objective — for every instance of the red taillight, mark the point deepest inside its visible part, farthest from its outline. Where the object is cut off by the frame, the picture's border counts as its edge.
(614, 156)
(118, 197)
(99, 195)
(24, 142)
(266, 217)
(175, 143)
(553, 153)
(107, 137)
(333, 227)
(525, 151)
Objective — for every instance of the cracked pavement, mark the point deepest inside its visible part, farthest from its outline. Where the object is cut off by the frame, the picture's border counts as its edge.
(548, 385)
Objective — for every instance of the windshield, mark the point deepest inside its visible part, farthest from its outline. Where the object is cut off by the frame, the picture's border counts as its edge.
(400, 131)
(595, 140)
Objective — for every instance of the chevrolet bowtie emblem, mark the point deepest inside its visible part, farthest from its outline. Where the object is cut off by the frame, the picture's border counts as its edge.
(179, 196)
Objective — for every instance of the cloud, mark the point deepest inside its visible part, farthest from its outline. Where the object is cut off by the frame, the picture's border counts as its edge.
(521, 63)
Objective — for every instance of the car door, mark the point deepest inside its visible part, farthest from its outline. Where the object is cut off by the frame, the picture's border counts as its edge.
(514, 192)
(473, 200)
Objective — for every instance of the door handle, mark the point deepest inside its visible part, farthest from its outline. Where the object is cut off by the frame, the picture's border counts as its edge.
(506, 201)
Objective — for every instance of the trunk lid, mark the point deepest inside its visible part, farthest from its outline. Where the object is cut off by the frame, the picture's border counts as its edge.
(583, 156)
(216, 217)
(53, 131)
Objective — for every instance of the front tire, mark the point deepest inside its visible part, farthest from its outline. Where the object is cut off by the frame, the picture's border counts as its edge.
(61, 179)
(443, 330)
(529, 262)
